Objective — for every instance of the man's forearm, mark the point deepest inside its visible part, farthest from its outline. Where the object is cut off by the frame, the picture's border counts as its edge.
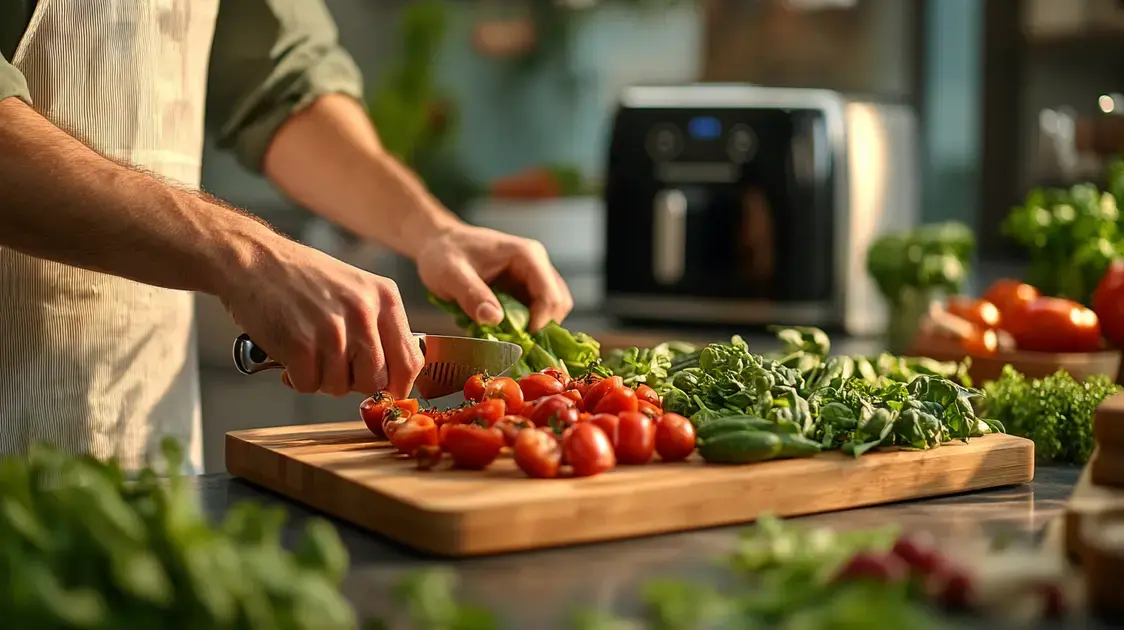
(328, 158)
(61, 201)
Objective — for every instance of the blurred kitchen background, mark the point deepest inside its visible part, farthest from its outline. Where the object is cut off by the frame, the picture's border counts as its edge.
(999, 96)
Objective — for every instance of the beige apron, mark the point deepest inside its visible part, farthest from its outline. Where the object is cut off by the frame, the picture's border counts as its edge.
(90, 362)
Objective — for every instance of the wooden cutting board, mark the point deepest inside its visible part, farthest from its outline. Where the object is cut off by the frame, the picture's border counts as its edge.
(341, 469)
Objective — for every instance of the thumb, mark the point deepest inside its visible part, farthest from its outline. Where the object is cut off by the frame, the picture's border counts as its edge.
(472, 294)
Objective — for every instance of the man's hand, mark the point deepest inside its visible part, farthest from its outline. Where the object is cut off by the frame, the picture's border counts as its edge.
(336, 328)
(460, 263)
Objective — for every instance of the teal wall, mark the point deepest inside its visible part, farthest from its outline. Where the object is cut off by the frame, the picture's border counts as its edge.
(952, 111)
(559, 112)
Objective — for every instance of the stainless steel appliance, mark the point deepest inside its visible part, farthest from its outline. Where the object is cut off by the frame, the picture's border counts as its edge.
(743, 205)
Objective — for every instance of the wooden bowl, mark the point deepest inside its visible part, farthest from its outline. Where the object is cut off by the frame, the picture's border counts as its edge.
(1080, 365)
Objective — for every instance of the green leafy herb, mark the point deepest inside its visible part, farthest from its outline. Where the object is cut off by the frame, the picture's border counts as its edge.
(1072, 235)
(932, 257)
(1055, 412)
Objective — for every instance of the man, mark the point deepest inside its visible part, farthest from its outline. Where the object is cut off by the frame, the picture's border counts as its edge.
(99, 254)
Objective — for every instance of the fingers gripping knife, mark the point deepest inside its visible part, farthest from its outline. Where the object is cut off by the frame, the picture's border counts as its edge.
(449, 361)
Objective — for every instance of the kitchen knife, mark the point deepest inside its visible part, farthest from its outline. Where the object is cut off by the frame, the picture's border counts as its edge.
(449, 361)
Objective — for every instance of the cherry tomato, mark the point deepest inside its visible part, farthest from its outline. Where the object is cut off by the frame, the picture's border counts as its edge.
(536, 386)
(428, 456)
(647, 394)
(584, 416)
(609, 423)
(1056, 325)
(649, 409)
(550, 407)
(472, 445)
(537, 453)
(1009, 296)
(597, 391)
(474, 387)
(675, 437)
(557, 375)
(510, 426)
(507, 390)
(979, 312)
(396, 415)
(1108, 302)
(564, 419)
(617, 401)
(373, 410)
(486, 412)
(588, 450)
(981, 343)
(575, 396)
(419, 430)
(636, 438)
(584, 383)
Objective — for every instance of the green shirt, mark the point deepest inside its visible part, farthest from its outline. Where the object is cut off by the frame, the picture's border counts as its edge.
(269, 59)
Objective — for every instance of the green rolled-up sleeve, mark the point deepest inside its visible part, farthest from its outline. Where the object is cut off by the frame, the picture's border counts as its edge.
(269, 60)
(12, 82)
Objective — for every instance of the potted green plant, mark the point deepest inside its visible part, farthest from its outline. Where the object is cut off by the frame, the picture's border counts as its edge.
(911, 269)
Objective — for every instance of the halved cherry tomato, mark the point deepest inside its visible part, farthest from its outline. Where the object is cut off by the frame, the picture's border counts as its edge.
(428, 456)
(649, 409)
(419, 430)
(600, 389)
(979, 312)
(609, 423)
(1055, 325)
(588, 450)
(537, 453)
(396, 415)
(506, 389)
(373, 410)
(550, 407)
(675, 437)
(474, 387)
(646, 393)
(486, 412)
(1009, 296)
(472, 445)
(584, 383)
(557, 375)
(617, 401)
(536, 386)
(510, 426)
(636, 438)
(575, 396)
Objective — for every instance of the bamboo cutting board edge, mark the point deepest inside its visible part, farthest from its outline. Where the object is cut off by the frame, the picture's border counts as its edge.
(463, 513)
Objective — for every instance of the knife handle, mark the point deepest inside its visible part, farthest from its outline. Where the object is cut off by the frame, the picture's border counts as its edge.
(250, 358)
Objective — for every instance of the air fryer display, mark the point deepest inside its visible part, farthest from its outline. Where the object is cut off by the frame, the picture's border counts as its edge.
(733, 204)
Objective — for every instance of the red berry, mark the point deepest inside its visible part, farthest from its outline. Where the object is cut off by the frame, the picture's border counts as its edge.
(953, 588)
(867, 565)
(921, 558)
(1054, 604)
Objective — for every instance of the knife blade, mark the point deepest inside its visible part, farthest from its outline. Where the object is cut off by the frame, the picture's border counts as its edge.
(449, 361)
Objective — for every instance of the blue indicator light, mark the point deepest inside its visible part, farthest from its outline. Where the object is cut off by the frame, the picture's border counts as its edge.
(704, 128)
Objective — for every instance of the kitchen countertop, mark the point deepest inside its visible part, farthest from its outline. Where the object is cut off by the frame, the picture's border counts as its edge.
(538, 589)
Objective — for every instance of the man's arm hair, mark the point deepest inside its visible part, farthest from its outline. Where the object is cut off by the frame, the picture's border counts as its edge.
(62, 201)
